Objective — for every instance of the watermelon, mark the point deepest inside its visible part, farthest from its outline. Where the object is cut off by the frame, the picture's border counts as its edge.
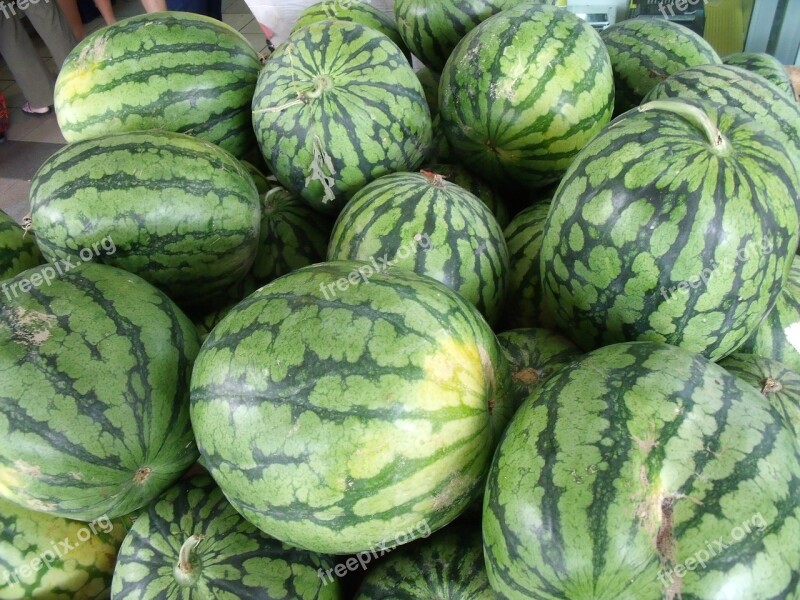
(472, 183)
(423, 223)
(260, 180)
(676, 224)
(525, 305)
(447, 565)
(358, 11)
(776, 337)
(765, 65)
(45, 557)
(737, 87)
(192, 544)
(18, 249)
(644, 472)
(94, 412)
(523, 92)
(344, 411)
(174, 71)
(336, 106)
(777, 382)
(645, 51)
(433, 29)
(178, 211)
(535, 355)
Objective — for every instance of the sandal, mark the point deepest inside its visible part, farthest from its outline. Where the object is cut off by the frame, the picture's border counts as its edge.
(35, 112)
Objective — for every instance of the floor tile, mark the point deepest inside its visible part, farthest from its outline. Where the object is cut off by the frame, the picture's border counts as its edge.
(252, 27)
(257, 41)
(22, 126)
(236, 21)
(14, 200)
(237, 7)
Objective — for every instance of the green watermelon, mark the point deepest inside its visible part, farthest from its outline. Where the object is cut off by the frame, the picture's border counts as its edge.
(433, 29)
(778, 336)
(174, 71)
(645, 51)
(357, 11)
(777, 382)
(343, 411)
(447, 565)
(18, 249)
(535, 356)
(192, 545)
(49, 558)
(765, 65)
(643, 472)
(94, 411)
(523, 92)
(178, 211)
(422, 223)
(525, 305)
(430, 85)
(737, 87)
(676, 224)
(336, 106)
(472, 183)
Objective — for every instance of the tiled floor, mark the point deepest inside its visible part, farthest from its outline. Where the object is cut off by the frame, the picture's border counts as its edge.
(32, 139)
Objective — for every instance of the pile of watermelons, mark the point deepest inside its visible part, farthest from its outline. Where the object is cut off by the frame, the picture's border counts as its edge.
(324, 327)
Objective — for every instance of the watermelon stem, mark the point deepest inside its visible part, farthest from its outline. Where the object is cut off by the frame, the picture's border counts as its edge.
(184, 571)
(696, 116)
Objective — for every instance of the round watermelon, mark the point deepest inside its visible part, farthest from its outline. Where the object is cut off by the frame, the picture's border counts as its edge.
(174, 71)
(765, 65)
(676, 224)
(94, 398)
(336, 106)
(18, 249)
(644, 472)
(477, 186)
(523, 92)
(192, 545)
(423, 223)
(343, 410)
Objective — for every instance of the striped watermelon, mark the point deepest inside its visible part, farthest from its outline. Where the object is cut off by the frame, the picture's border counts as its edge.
(645, 51)
(422, 223)
(180, 212)
(174, 71)
(535, 355)
(676, 224)
(525, 305)
(337, 106)
(643, 472)
(356, 11)
(94, 412)
(777, 382)
(192, 544)
(45, 557)
(737, 87)
(18, 249)
(765, 65)
(339, 409)
(524, 92)
(777, 336)
(433, 29)
(447, 565)
(472, 183)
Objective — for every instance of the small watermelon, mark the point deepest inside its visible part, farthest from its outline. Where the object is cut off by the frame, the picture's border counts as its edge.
(765, 65)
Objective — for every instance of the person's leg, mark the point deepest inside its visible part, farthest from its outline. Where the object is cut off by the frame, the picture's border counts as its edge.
(105, 8)
(53, 28)
(73, 16)
(152, 6)
(30, 73)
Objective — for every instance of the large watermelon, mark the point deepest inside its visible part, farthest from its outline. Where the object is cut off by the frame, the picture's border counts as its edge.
(523, 92)
(49, 558)
(340, 409)
(778, 336)
(94, 410)
(676, 224)
(192, 545)
(336, 106)
(645, 51)
(643, 472)
(765, 65)
(18, 249)
(174, 71)
(447, 565)
(422, 223)
(180, 212)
